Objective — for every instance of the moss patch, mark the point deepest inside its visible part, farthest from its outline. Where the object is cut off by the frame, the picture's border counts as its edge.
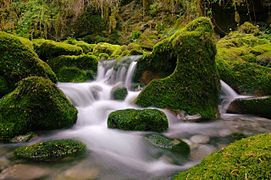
(36, 104)
(194, 84)
(18, 61)
(51, 150)
(255, 106)
(138, 120)
(248, 158)
(119, 93)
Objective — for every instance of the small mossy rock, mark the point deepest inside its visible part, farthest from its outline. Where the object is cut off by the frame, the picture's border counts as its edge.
(18, 61)
(119, 93)
(51, 150)
(260, 106)
(36, 104)
(194, 85)
(48, 49)
(74, 68)
(87, 48)
(176, 146)
(248, 158)
(138, 120)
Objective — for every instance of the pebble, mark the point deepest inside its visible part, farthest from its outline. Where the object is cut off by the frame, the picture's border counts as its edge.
(191, 144)
(201, 152)
(200, 139)
(224, 132)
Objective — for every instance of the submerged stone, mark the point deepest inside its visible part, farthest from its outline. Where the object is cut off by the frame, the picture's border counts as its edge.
(51, 150)
(259, 106)
(36, 104)
(138, 120)
(248, 158)
(194, 84)
(18, 61)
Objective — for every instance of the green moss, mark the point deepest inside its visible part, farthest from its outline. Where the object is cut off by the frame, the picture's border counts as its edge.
(74, 68)
(255, 106)
(138, 120)
(84, 45)
(18, 61)
(248, 158)
(111, 50)
(36, 104)
(194, 84)
(119, 93)
(48, 49)
(51, 150)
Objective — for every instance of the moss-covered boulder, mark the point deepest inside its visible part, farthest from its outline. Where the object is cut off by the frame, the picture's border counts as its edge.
(138, 120)
(18, 61)
(176, 149)
(119, 93)
(51, 150)
(48, 49)
(74, 68)
(194, 85)
(243, 60)
(260, 106)
(248, 158)
(36, 104)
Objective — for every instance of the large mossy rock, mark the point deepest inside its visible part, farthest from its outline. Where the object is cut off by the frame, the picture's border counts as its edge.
(51, 150)
(260, 106)
(36, 104)
(243, 60)
(138, 120)
(74, 68)
(248, 158)
(194, 85)
(119, 93)
(48, 49)
(17, 61)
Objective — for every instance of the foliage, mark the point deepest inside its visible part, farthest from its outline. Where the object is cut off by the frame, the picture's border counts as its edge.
(51, 150)
(248, 158)
(138, 120)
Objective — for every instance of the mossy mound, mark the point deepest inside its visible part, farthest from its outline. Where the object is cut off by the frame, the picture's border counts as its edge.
(256, 106)
(194, 84)
(48, 49)
(174, 148)
(87, 48)
(138, 120)
(119, 93)
(248, 158)
(51, 150)
(18, 61)
(36, 104)
(244, 59)
(74, 68)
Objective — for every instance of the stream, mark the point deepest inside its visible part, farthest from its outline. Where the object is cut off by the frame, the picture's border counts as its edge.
(117, 154)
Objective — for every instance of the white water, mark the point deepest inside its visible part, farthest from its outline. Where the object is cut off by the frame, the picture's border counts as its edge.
(94, 103)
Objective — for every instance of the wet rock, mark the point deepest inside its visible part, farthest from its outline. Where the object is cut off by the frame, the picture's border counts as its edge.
(24, 171)
(23, 138)
(201, 152)
(79, 172)
(200, 139)
(3, 163)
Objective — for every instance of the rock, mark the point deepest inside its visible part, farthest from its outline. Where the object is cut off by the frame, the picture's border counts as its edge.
(259, 106)
(18, 61)
(119, 93)
(51, 150)
(178, 147)
(48, 49)
(247, 158)
(200, 139)
(201, 152)
(36, 104)
(23, 138)
(74, 68)
(21, 171)
(3, 163)
(138, 120)
(194, 85)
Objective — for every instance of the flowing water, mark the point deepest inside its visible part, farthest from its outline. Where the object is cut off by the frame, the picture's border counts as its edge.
(116, 154)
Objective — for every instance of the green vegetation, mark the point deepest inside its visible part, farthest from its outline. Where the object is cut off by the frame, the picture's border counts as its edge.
(36, 104)
(248, 158)
(243, 60)
(74, 68)
(255, 106)
(18, 61)
(194, 84)
(51, 150)
(119, 93)
(138, 120)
